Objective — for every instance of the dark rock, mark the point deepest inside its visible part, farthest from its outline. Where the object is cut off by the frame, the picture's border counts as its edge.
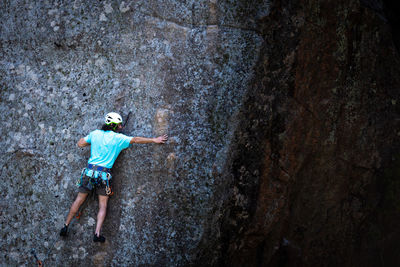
(282, 117)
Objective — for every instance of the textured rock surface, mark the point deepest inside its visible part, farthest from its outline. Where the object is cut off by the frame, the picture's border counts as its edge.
(283, 118)
(314, 175)
(181, 68)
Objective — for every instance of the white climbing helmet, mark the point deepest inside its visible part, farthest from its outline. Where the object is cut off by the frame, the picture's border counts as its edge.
(113, 117)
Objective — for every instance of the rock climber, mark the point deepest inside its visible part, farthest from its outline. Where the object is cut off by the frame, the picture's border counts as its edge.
(106, 144)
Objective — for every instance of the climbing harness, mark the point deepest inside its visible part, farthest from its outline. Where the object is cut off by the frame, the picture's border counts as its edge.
(96, 176)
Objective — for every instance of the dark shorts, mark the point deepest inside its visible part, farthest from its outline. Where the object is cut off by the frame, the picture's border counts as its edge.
(98, 189)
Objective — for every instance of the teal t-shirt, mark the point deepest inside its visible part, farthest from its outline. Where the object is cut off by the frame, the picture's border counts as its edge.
(105, 147)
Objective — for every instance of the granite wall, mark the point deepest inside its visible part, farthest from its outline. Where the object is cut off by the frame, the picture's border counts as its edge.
(283, 125)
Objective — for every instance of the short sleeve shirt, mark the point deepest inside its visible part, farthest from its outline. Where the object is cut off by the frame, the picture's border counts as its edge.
(105, 147)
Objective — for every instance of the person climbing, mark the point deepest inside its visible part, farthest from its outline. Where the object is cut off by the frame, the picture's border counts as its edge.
(106, 144)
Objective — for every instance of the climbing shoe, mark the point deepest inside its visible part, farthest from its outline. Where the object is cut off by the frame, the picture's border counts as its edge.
(64, 231)
(99, 238)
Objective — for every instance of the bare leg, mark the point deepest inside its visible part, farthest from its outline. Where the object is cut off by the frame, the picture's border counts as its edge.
(75, 206)
(103, 200)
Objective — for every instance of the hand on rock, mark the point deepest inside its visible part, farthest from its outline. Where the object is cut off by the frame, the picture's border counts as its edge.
(161, 139)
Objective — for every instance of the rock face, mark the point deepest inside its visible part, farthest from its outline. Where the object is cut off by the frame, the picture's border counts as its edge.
(283, 125)
(314, 172)
(181, 68)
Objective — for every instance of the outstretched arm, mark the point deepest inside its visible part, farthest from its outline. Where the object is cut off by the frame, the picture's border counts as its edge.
(142, 140)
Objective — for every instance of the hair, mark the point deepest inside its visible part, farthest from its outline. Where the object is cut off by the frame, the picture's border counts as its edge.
(109, 127)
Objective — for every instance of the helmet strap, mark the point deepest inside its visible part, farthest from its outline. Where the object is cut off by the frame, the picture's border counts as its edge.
(114, 126)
